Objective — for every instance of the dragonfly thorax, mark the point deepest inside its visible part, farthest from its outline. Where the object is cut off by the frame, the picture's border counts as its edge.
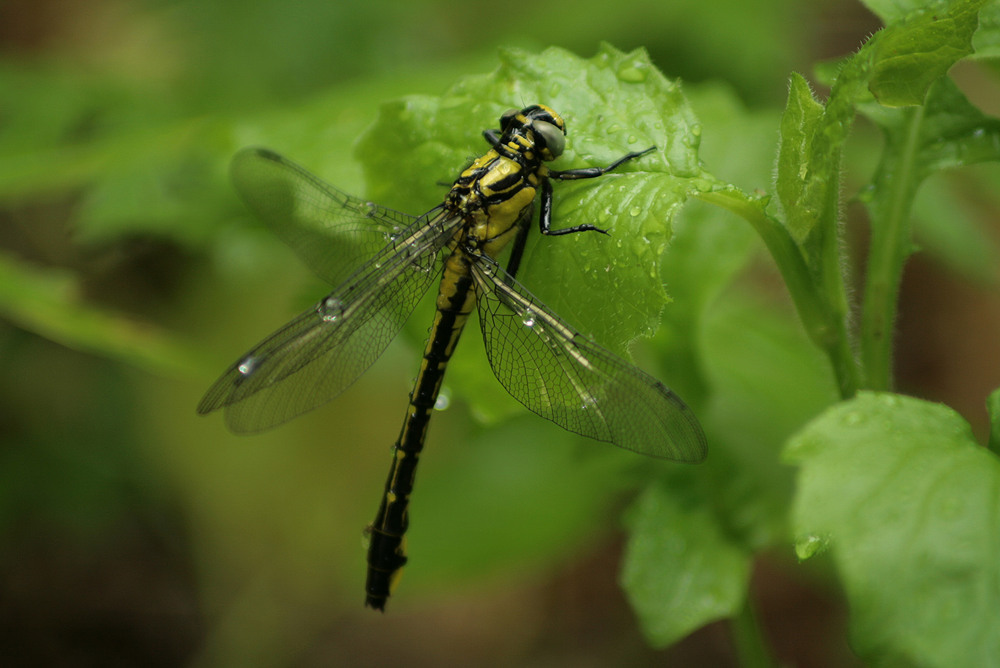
(496, 191)
(492, 196)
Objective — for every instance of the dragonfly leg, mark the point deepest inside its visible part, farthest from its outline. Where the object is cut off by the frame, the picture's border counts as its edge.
(517, 248)
(594, 172)
(545, 219)
(492, 137)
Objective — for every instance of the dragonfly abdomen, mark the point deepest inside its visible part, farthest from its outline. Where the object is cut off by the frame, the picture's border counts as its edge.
(386, 547)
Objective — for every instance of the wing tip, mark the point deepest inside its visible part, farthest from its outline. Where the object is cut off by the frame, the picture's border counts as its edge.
(209, 403)
(690, 445)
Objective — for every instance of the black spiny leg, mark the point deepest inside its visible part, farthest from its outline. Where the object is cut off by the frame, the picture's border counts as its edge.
(594, 172)
(517, 247)
(545, 219)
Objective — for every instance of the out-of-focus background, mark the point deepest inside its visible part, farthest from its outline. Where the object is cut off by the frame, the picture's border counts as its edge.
(133, 532)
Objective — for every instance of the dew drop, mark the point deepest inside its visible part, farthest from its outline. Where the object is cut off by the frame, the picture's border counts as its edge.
(890, 400)
(853, 418)
(810, 546)
(701, 185)
(443, 400)
(330, 309)
(634, 71)
(247, 365)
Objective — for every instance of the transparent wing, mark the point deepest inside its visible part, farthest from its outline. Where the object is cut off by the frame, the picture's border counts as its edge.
(320, 353)
(565, 377)
(331, 231)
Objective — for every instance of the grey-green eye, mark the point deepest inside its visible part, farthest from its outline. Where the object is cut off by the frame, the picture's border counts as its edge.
(507, 117)
(551, 136)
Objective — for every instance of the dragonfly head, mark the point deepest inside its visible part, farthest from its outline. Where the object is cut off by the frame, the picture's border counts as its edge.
(537, 127)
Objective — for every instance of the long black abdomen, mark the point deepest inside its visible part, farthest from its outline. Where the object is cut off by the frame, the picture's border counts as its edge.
(386, 547)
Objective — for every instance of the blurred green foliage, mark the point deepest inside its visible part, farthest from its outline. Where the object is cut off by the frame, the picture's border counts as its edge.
(130, 275)
(910, 481)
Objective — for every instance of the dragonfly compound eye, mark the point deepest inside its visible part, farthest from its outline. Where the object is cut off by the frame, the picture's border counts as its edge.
(550, 137)
(506, 117)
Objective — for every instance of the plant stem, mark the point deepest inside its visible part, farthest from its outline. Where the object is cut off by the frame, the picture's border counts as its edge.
(834, 291)
(750, 646)
(890, 245)
(824, 323)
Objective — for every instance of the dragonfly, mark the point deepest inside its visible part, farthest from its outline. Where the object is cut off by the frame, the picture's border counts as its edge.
(382, 262)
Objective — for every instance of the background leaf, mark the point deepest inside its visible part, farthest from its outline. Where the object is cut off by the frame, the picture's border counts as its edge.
(993, 406)
(50, 303)
(798, 126)
(681, 572)
(908, 502)
(911, 55)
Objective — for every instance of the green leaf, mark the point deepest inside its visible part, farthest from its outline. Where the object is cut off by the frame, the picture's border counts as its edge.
(950, 133)
(798, 126)
(613, 103)
(910, 56)
(987, 39)
(680, 570)
(993, 407)
(893, 12)
(48, 303)
(908, 503)
(813, 219)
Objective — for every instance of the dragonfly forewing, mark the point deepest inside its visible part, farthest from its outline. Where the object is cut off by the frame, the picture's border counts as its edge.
(324, 350)
(333, 232)
(563, 376)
